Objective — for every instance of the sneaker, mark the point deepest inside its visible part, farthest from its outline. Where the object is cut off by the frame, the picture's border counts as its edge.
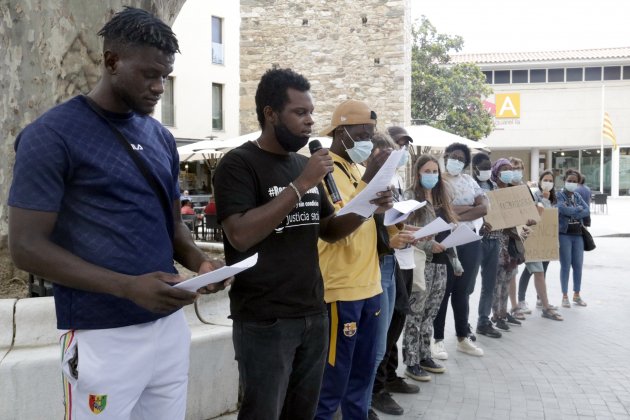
(512, 320)
(565, 302)
(399, 386)
(524, 307)
(502, 324)
(468, 347)
(372, 415)
(471, 335)
(431, 366)
(578, 301)
(417, 373)
(539, 303)
(384, 402)
(489, 331)
(439, 351)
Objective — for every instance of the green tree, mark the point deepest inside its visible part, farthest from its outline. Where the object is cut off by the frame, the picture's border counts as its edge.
(443, 95)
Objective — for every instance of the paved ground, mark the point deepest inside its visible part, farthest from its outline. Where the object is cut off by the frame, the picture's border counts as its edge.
(576, 369)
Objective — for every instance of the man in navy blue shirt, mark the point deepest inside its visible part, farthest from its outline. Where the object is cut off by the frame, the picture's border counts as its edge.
(82, 215)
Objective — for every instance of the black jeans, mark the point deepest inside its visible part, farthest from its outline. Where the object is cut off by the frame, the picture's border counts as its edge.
(386, 371)
(280, 365)
(523, 282)
(457, 288)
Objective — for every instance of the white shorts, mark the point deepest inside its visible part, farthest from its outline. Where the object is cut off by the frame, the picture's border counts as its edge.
(134, 372)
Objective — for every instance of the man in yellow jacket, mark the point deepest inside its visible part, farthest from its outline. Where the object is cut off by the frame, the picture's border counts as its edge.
(350, 268)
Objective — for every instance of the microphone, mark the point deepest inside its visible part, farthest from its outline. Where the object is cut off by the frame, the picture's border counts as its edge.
(314, 146)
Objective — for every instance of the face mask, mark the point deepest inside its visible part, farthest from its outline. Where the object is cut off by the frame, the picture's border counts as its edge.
(360, 151)
(570, 186)
(484, 175)
(429, 181)
(403, 159)
(289, 141)
(517, 175)
(546, 185)
(454, 166)
(506, 176)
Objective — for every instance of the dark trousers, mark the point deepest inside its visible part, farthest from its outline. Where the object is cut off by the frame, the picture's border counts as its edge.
(351, 359)
(457, 289)
(489, 265)
(387, 368)
(280, 365)
(523, 281)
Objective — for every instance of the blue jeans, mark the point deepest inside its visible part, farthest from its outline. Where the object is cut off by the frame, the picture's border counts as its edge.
(388, 299)
(489, 263)
(280, 366)
(571, 256)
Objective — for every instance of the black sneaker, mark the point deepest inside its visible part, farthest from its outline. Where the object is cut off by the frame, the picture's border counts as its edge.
(489, 331)
(417, 373)
(431, 366)
(384, 402)
(502, 325)
(471, 335)
(512, 320)
(372, 415)
(399, 386)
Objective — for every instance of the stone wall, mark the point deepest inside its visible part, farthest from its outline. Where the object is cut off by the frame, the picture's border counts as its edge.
(346, 48)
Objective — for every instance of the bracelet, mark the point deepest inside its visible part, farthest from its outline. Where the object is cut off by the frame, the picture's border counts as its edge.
(297, 192)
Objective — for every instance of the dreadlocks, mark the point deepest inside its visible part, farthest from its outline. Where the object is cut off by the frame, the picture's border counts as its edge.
(134, 26)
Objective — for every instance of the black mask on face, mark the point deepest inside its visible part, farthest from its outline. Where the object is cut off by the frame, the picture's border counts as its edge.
(289, 141)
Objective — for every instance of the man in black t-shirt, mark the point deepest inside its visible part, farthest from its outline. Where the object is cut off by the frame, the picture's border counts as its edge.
(270, 201)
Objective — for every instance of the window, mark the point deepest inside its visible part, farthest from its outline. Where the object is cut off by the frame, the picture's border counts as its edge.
(519, 76)
(593, 73)
(501, 76)
(217, 40)
(217, 106)
(168, 106)
(488, 75)
(555, 75)
(612, 73)
(538, 76)
(575, 74)
(626, 72)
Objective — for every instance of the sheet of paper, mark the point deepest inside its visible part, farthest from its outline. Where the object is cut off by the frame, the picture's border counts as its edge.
(436, 226)
(460, 236)
(218, 275)
(360, 204)
(401, 210)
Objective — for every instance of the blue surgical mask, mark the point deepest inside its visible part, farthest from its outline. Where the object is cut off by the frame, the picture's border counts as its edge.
(454, 166)
(570, 186)
(517, 175)
(361, 149)
(403, 159)
(429, 181)
(506, 176)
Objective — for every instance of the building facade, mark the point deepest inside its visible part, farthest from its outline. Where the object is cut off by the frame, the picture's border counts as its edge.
(549, 110)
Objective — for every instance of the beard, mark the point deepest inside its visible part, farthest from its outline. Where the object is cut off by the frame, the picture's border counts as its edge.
(289, 141)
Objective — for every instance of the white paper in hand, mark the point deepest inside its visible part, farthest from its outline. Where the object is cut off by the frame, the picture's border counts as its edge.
(460, 236)
(401, 210)
(436, 226)
(218, 275)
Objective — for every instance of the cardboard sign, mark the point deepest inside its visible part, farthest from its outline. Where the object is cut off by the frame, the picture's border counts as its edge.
(510, 207)
(542, 244)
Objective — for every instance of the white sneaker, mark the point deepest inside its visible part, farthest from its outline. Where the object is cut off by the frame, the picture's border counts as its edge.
(468, 347)
(524, 307)
(438, 351)
(539, 303)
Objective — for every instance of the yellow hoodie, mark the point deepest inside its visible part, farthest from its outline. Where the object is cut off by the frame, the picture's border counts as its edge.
(350, 266)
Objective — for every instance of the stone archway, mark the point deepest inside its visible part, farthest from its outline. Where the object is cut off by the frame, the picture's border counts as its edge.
(49, 53)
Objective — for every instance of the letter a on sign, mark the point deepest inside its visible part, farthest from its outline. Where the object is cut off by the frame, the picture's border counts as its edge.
(508, 105)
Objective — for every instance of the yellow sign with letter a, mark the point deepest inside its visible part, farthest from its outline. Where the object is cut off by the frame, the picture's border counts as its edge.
(508, 105)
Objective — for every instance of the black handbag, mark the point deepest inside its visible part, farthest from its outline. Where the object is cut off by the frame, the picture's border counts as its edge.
(589, 243)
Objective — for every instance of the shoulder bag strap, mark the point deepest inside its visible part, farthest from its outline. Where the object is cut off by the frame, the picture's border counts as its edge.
(148, 175)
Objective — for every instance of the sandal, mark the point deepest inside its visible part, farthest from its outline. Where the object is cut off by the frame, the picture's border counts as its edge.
(577, 300)
(518, 314)
(551, 314)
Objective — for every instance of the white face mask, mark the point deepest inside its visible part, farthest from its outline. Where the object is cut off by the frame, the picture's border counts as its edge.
(546, 185)
(484, 175)
(570, 186)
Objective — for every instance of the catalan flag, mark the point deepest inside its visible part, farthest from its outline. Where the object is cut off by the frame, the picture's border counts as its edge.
(608, 131)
